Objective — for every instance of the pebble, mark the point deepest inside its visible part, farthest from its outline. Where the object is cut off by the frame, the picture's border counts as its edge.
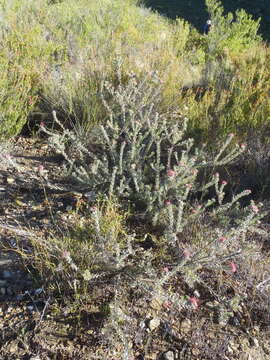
(154, 323)
(169, 355)
(10, 180)
(186, 326)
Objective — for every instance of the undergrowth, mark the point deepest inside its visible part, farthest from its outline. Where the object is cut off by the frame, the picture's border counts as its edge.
(192, 233)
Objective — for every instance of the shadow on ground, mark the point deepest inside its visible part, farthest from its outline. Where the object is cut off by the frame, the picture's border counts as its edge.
(194, 11)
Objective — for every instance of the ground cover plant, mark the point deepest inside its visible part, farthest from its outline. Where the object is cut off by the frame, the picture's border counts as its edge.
(155, 245)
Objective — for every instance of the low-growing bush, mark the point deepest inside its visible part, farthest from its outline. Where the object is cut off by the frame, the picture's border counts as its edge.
(180, 231)
(138, 154)
(147, 163)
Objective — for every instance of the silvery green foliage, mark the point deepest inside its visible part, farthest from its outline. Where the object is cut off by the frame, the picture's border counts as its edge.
(141, 155)
(117, 329)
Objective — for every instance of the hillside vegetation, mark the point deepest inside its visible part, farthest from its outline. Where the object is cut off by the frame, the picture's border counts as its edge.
(195, 12)
(162, 136)
(59, 53)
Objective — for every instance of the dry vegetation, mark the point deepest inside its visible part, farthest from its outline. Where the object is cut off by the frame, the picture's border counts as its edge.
(138, 205)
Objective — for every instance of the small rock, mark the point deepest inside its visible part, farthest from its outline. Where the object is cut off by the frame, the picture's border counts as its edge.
(156, 304)
(13, 348)
(169, 355)
(154, 323)
(186, 326)
(10, 180)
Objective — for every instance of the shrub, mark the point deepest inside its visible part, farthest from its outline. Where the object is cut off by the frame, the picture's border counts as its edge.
(138, 155)
(22, 43)
(236, 34)
(142, 160)
(95, 248)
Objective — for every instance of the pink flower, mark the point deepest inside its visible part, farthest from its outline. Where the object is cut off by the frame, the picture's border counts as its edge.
(217, 174)
(243, 146)
(197, 209)
(167, 202)
(167, 304)
(254, 208)
(222, 239)
(189, 186)
(224, 182)
(7, 156)
(171, 173)
(195, 302)
(93, 208)
(233, 266)
(40, 168)
(231, 135)
(42, 124)
(166, 269)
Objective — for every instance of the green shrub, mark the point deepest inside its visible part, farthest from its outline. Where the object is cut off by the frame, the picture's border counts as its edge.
(236, 34)
(236, 100)
(24, 56)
